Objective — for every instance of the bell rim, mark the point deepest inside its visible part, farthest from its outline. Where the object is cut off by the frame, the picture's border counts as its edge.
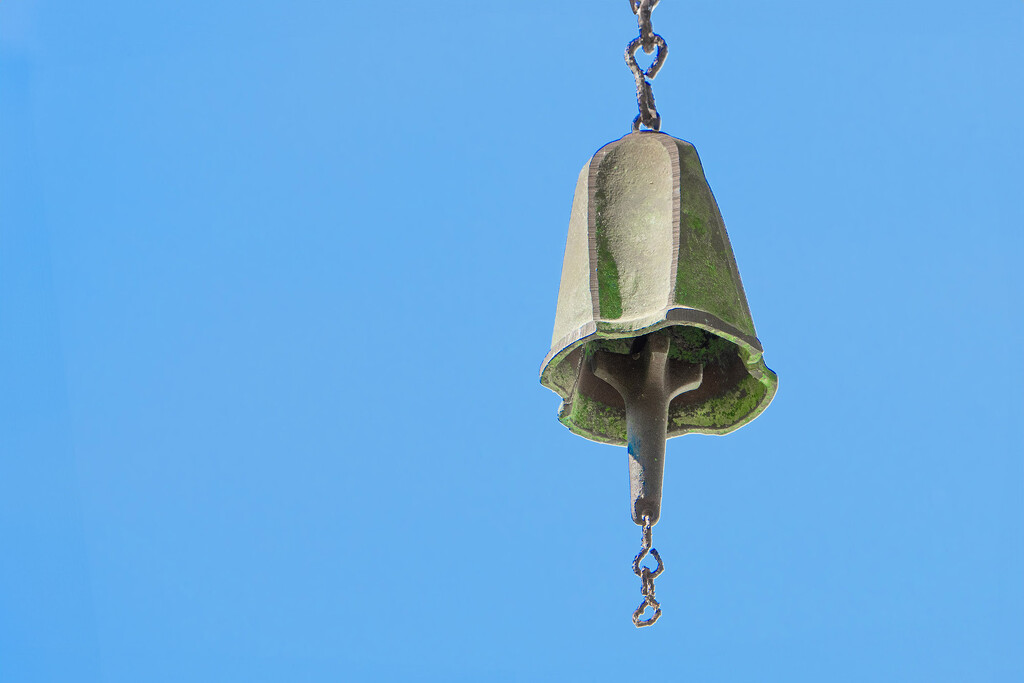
(751, 352)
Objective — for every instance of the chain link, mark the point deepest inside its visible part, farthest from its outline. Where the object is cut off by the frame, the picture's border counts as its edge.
(650, 42)
(647, 578)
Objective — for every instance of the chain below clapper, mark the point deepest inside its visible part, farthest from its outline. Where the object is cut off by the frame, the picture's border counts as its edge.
(651, 42)
(647, 578)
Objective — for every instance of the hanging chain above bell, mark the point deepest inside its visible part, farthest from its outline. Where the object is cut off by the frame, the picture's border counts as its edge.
(651, 42)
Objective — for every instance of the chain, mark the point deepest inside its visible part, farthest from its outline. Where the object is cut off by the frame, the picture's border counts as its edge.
(649, 41)
(647, 578)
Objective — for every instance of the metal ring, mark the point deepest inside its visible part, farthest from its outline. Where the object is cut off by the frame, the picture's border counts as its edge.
(640, 623)
(659, 56)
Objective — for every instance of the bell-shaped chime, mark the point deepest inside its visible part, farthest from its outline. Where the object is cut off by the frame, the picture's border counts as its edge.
(653, 337)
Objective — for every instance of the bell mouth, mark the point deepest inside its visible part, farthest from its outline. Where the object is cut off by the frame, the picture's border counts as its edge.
(737, 385)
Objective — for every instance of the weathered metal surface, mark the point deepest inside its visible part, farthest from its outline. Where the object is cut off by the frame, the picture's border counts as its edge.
(647, 250)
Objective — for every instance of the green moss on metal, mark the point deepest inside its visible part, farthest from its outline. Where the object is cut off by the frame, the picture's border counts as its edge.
(706, 276)
(619, 346)
(694, 345)
(609, 296)
(593, 418)
(722, 411)
(563, 376)
(688, 343)
(697, 226)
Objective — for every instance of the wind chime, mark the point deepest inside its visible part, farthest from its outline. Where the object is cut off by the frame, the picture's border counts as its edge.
(653, 337)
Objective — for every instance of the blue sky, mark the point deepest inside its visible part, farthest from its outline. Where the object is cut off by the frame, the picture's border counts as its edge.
(276, 280)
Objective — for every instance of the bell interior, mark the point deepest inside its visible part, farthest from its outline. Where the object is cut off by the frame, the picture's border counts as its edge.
(727, 395)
